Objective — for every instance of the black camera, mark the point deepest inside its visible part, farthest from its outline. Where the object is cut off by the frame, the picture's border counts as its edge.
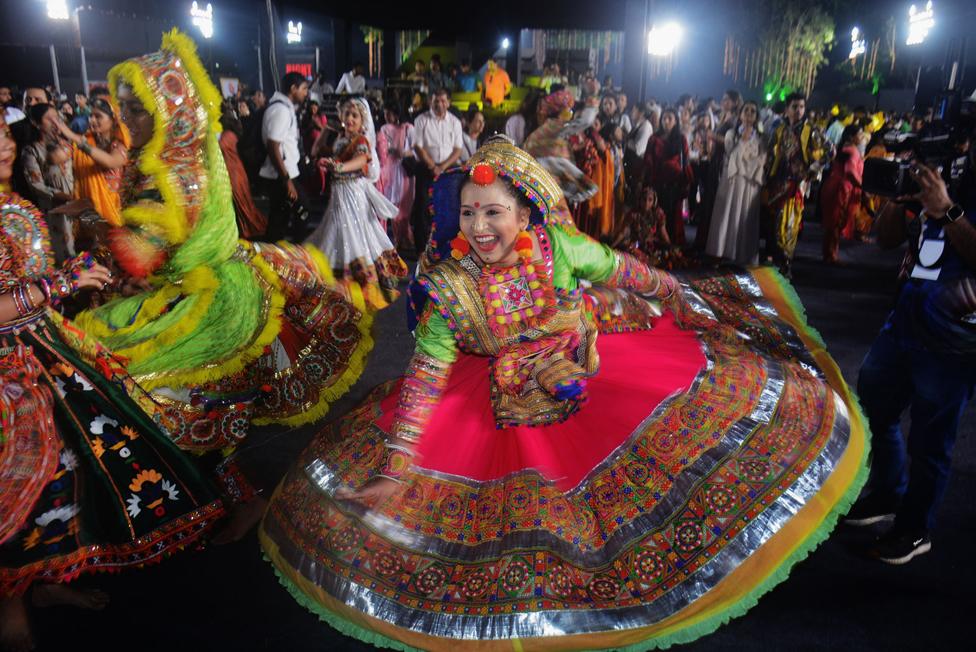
(893, 178)
(943, 146)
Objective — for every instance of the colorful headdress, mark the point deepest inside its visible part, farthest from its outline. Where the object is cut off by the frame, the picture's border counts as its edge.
(183, 162)
(498, 157)
(558, 102)
(213, 308)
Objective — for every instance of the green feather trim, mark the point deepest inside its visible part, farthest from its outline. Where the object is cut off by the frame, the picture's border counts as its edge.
(235, 316)
(214, 237)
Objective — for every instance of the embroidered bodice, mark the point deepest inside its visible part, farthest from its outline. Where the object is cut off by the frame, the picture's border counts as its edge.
(346, 150)
(536, 363)
(25, 247)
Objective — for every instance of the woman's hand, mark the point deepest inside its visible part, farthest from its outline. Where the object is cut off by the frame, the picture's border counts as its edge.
(73, 208)
(375, 492)
(66, 132)
(96, 278)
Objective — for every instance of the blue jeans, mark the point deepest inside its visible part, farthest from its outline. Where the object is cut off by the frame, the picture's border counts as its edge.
(896, 375)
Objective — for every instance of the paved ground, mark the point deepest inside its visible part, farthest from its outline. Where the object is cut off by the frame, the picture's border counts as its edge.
(228, 598)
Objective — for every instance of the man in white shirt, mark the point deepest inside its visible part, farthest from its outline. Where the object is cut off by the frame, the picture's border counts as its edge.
(437, 144)
(279, 131)
(515, 128)
(353, 81)
(10, 112)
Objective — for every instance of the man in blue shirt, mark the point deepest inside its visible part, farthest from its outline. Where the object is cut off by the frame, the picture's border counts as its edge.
(924, 357)
(466, 80)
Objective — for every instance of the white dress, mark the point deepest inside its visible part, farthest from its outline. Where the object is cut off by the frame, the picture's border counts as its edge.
(352, 233)
(734, 231)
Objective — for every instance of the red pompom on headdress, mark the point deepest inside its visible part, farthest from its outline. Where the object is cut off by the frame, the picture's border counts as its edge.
(483, 174)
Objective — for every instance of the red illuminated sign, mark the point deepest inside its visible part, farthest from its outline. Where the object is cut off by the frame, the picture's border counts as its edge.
(304, 68)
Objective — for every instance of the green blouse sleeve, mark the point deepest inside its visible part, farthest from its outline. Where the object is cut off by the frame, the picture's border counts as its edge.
(434, 336)
(577, 255)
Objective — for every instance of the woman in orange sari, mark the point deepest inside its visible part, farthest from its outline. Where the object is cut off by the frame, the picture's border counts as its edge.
(594, 157)
(99, 157)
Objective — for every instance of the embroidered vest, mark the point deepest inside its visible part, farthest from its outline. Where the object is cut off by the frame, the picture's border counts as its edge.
(543, 352)
(27, 254)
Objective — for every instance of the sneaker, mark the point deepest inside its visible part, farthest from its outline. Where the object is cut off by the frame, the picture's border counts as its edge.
(869, 510)
(899, 548)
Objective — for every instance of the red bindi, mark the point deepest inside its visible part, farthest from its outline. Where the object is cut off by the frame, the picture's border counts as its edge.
(477, 204)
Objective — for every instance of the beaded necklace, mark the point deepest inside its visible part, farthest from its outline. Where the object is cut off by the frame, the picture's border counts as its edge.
(516, 296)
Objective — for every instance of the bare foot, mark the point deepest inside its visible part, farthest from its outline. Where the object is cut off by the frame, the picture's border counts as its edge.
(51, 595)
(15, 629)
(242, 518)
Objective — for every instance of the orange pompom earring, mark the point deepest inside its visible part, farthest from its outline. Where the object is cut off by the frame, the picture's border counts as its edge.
(523, 246)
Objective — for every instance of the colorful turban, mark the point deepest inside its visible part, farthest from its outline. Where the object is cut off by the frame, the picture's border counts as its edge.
(558, 102)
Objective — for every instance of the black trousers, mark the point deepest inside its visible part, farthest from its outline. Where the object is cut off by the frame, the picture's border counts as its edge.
(282, 221)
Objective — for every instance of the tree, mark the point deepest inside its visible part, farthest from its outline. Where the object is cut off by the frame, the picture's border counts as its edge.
(788, 48)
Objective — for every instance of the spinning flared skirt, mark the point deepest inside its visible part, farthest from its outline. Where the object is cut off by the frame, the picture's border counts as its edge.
(701, 468)
(92, 484)
(353, 238)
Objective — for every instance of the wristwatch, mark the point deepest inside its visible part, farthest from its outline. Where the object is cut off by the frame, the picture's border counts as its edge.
(954, 213)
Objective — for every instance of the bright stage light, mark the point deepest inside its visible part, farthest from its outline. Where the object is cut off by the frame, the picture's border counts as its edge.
(663, 39)
(858, 44)
(919, 23)
(57, 10)
(202, 18)
(294, 32)
(505, 43)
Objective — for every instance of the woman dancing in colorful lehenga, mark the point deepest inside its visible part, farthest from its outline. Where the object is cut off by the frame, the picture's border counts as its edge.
(87, 481)
(529, 484)
(230, 332)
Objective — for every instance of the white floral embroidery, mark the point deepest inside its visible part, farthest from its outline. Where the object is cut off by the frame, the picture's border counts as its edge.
(133, 506)
(64, 514)
(98, 424)
(69, 460)
(171, 490)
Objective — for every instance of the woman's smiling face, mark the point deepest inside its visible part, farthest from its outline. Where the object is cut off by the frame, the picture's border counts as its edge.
(491, 220)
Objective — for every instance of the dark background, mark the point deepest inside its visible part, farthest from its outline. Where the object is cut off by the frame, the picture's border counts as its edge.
(113, 30)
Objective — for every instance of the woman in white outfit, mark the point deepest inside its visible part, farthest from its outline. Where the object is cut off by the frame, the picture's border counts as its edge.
(352, 234)
(734, 232)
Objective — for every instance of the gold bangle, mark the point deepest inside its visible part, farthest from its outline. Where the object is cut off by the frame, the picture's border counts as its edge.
(30, 295)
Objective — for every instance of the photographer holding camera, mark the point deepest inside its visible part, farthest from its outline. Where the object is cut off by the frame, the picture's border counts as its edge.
(923, 358)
